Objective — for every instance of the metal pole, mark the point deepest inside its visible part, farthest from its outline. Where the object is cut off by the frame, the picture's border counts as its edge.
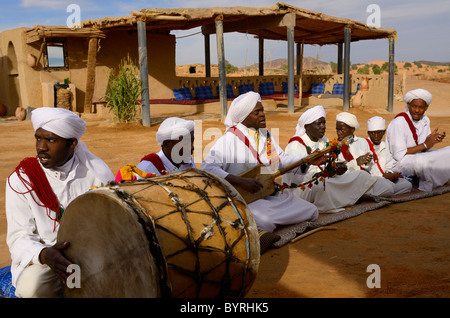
(391, 76)
(143, 69)
(347, 39)
(222, 72)
(291, 80)
(207, 56)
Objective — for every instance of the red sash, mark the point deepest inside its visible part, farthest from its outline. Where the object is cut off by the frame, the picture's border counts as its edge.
(346, 153)
(410, 124)
(245, 140)
(38, 183)
(157, 162)
(300, 140)
(372, 148)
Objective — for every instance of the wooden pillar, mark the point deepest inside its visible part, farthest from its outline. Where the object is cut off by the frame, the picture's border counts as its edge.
(90, 78)
(291, 80)
(391, 76)
(261, 56)
(143, 69)
(207, 56)
(339, 58)
(300, 72)
(347, 40)
(222, 72)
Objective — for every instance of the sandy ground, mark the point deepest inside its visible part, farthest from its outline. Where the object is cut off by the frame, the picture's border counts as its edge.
(410, 242)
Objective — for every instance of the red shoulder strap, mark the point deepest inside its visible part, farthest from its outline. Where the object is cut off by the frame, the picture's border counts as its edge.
(300, 140)
(245, 140)
(372, 148)
(157, 162)
(410, 124)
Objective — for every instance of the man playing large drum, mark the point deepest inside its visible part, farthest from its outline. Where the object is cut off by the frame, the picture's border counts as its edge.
(37, 193)
(246, 144)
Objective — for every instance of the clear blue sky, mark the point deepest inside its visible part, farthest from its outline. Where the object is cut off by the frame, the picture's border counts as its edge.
(423, 26)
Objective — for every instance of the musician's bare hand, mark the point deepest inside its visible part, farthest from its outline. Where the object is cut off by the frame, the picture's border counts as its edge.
(364, 159)
(53, 257)
(319, 160)
(434, 138)
(393, 176)
(341, 168)
(248, 184)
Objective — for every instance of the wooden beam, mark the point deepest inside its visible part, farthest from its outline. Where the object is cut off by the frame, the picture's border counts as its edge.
(261, 56)
(90, 78)
(300, 75)
(291, 81)
(253, 23)
(143, 70)
(207, 55)
(347, 40)
(391, 76)
(222, 72)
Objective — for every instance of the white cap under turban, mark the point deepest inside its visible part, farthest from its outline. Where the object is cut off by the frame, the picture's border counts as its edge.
(308, 117)
(60, 121)
(241, 107)
(418, 94)
(348, 119)
(66, 124)
(173, 128)
(376, 123)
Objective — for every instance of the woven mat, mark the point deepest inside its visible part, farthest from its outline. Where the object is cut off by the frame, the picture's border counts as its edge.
(369, 203)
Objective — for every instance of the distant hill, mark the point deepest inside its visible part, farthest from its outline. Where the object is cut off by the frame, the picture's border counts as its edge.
(308, 62)
(434, 63)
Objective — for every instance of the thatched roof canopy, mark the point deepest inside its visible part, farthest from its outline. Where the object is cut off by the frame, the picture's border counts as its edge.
(266, 22)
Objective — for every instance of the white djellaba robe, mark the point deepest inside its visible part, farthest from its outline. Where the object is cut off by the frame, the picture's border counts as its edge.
(360, 147)
(29, 227)
(386, 163)
(432, 167)
(230, 155)
(149, 167)
(337, 192)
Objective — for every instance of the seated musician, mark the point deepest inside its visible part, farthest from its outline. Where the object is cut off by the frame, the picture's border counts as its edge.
(176, 138)
(327, 187)
(37, 193)
(410, 141)
(358, 154)
(245, 144)
(382, 164)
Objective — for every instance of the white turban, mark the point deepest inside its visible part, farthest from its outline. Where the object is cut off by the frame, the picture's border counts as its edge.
(66, 124)
(376, 123)
(173, 128)
(241, 107)
(309, 116)
(348, 119)
(60, 121)
(418, 94)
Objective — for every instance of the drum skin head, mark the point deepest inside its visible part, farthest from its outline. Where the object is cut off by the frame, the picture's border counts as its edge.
(109, 246)
(188, 234)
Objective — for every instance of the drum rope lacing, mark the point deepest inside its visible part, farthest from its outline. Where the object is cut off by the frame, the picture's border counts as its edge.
(192, 243)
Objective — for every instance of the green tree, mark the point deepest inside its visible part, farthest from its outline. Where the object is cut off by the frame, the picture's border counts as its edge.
(229, 69)
(364, 70)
